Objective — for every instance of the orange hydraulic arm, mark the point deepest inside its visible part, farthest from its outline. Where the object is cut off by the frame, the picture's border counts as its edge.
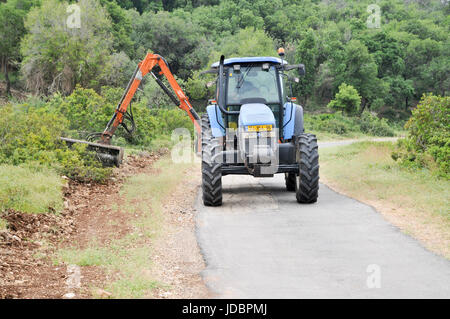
(144, 67)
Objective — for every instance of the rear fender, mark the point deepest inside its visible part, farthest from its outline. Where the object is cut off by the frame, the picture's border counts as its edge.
(292, 120)
(216, 120)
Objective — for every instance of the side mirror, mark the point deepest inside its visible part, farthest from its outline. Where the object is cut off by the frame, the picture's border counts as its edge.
(301, 69)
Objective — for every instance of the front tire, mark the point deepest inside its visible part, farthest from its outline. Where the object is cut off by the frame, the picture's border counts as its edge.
(307, 182)
(211, 166)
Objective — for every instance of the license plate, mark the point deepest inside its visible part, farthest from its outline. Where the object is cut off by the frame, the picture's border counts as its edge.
(259, 128)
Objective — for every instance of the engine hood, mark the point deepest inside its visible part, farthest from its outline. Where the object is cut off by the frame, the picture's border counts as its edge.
(256, 114)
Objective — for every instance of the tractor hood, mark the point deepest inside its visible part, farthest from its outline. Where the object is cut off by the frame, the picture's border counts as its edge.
(255, 114)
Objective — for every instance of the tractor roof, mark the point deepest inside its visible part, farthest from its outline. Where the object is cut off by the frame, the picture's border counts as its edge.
(257, 59)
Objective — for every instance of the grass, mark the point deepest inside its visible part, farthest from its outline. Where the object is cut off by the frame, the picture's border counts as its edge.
(130, 256)
(416, 201)
(31, 190)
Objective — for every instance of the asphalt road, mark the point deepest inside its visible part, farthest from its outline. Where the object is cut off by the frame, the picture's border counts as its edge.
(262, 244)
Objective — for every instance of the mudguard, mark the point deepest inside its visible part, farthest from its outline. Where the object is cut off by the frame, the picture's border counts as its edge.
(216, 120)
(292, 120)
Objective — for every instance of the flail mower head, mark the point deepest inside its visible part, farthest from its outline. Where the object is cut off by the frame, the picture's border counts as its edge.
(109, 155)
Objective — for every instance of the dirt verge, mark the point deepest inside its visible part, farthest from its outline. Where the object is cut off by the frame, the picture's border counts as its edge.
(95, 212)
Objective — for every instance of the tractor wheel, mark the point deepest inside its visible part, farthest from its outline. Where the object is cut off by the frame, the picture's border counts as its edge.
(211, 167)
(307, 183)
(290, 181)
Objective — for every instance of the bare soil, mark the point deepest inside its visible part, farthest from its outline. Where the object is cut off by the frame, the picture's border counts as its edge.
(28, 245)
(177, 260)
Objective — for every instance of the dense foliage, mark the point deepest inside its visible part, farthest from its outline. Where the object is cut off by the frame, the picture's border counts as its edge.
(390, 65)
(368, 72)
(30, 137)
(428, 140)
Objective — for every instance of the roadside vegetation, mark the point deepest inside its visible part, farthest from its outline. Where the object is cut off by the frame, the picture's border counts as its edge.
(428, 142)
(142, 198)
(329, 126)
(29, 189)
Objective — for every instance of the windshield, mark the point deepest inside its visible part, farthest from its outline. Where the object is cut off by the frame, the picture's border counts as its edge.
(252, 82)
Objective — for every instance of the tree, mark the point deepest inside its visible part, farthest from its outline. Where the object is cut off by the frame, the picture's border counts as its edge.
(12, 29)
(358, 68)
(436, 75)
(306, 53)
(57, 57)
(400, 91)
(174, 37)
(121, 27)
(347, 100)
(247, 42)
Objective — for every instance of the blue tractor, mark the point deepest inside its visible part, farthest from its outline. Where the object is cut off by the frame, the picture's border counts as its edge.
(253, 127)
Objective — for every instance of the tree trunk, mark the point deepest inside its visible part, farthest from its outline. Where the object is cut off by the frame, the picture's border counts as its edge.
(406, 104)
(363, 105)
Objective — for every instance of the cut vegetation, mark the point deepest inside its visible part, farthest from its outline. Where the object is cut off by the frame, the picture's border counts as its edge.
(131, 260)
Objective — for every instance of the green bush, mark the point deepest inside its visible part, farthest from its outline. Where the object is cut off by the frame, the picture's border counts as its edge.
(88, 111)
(80, 164)
(428, 141)
(372, 125)
(347, 100)
(28, 135)
(337, 123)
(85, 109)
(333, 123)
(31, 136)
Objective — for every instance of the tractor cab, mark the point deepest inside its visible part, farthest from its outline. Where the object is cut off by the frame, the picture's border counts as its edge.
(255, 80)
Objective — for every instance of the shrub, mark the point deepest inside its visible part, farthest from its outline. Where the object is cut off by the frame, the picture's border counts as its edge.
(80, 164)
(372, 125)
(337, 123)
(333, 123)
(85, 109)
(347, 100)
(28, 135)
(428, 141)
(31, 136)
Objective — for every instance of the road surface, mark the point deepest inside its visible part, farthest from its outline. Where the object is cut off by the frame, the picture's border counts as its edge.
(262, 244)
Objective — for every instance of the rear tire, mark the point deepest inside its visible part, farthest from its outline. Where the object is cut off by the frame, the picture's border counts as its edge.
(290, 181)
(307, 182)
(211, 166)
